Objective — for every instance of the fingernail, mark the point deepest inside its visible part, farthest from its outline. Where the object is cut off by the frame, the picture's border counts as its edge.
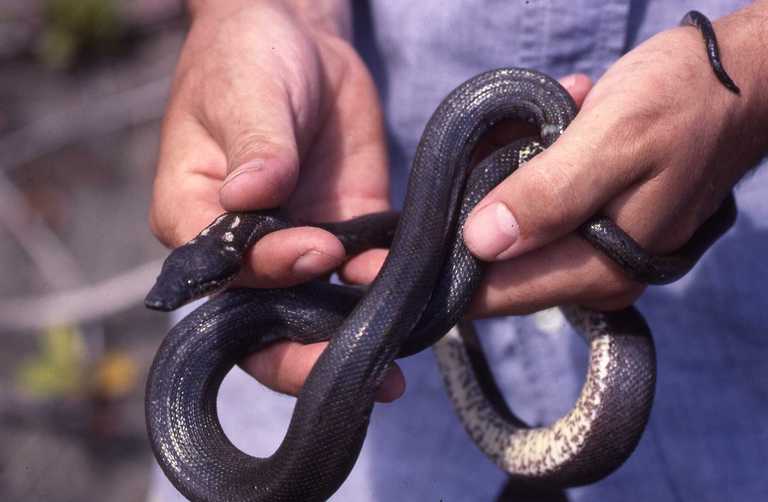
(568, 82)
(313, 263)
(491, 232)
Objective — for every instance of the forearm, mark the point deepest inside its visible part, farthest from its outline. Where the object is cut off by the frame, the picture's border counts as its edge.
(743, 38)
(334, 16)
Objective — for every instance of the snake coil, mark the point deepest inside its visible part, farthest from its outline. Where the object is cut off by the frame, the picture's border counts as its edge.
(420, 293)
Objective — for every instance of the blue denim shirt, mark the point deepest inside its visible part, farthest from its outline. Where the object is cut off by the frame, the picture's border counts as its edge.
(708, 435)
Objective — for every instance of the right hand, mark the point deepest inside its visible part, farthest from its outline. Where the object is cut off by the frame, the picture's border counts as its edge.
(271, 106)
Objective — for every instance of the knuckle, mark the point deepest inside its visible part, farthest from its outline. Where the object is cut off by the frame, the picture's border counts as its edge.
(628, 143)
(552, 196)
(249, 144)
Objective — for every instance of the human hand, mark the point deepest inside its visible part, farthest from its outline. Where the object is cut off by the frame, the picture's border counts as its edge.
(271, 106)
(657, 145)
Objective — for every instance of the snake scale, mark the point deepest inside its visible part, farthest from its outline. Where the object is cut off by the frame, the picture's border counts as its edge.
(419, 295)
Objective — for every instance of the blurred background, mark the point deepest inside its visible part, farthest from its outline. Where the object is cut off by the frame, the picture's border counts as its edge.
(83, 85)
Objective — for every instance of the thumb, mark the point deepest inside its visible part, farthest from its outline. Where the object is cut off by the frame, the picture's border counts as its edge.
(261, 149)
(547, 197)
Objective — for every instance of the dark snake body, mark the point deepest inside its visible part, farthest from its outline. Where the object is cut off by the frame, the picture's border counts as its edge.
(420, 293)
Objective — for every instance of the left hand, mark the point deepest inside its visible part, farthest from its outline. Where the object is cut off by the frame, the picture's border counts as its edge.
(657, 145)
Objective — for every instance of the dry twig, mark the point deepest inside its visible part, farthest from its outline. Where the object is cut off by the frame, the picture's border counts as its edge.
(81, 305)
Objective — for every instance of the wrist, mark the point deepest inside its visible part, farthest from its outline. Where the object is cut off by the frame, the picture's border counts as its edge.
(330, 16)
(742, 37)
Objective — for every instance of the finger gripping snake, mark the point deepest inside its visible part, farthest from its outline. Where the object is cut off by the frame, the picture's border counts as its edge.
(422, 290)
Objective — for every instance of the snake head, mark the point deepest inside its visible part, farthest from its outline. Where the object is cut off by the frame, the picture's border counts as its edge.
(196, 269)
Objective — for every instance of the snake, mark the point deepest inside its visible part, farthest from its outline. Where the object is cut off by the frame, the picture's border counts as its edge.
(415, 302)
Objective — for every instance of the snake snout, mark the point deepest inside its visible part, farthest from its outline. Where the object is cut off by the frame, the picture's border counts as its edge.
(165, 296)
(189, 273)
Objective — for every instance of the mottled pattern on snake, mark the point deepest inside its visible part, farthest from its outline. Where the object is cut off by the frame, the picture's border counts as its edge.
(573, 448)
